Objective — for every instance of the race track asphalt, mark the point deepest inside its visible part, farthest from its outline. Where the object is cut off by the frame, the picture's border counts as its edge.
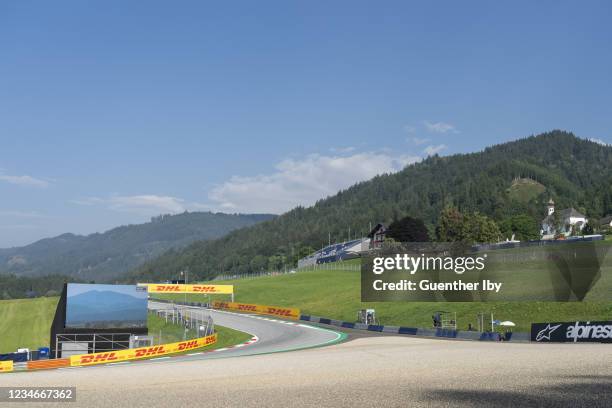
(377, 371)
(273, 335)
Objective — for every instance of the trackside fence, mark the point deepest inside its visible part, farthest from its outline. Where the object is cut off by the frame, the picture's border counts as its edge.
(336, 266)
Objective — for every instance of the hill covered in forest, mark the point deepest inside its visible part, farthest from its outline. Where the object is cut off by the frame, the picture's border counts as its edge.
(107, 256)
(515, 178)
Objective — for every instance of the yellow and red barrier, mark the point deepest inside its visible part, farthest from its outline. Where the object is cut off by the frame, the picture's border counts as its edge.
(141, 352)
(180, 288)
(286, 312)
(46, 364)
(6, 366)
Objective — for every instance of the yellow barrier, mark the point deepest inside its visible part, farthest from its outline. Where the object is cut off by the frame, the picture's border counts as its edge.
(142, 352)
(177, 288)
(287, 312)
(6, 366)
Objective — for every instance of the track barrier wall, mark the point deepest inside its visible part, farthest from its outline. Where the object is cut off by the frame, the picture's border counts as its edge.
(6, 366)
(413, 331)
(286, 312)
(46, 364)
(16, 357)
(142, 352)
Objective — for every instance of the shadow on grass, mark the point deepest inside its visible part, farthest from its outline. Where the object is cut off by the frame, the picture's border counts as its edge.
(593, 391)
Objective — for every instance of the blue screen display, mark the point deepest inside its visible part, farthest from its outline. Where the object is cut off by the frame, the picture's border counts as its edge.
(100, 306)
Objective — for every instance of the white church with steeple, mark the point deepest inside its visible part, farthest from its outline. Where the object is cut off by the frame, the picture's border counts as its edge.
(570, 222)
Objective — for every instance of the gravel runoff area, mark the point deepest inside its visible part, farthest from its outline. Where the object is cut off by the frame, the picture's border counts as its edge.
(368, 372)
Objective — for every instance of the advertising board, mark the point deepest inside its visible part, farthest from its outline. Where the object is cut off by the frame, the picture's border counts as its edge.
(141, 352)
(572, 332)
(286, 312)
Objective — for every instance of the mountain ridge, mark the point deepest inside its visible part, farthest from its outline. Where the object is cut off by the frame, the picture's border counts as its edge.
(108, 255)
(575, 173)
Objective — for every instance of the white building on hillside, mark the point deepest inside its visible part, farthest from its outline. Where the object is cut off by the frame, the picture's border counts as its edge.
(570, 221)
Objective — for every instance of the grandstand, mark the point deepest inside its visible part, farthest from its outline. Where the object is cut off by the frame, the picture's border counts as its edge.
(336, 252)
(346, 250)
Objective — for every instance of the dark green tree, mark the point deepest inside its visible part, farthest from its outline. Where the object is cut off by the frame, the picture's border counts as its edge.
(470, 228)
(450, 226)
(523, 226)
(408, 229)
(479, 228)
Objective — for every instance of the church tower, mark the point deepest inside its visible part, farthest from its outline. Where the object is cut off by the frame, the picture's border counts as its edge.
(551, 207)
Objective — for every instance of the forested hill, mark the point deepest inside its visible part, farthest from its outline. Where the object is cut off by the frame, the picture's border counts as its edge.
(109, 255)
(507, 179)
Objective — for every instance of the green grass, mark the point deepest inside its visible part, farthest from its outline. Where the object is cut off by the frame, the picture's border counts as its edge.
(525, 189)
(336, 294)
(163, 332)
(171, 333)
(26, 323)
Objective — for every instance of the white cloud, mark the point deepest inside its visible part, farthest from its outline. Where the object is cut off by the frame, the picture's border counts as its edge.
(419, 141)
(145, 203)
(347, 149)
(148, 204)
(439, 127)
(303, 181)
(431, 150)
(25, 180)
(599, 141)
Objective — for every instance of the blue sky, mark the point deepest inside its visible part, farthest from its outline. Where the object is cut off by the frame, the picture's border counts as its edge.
(113, 112)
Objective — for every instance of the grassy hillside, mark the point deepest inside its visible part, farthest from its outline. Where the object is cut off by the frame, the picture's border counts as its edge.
(336, 293)
(26, 323)
(574, 172)
(524, 190)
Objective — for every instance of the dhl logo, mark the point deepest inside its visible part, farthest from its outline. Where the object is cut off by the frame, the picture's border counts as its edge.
(188, 345)
(248, 308)
(130, 354)
(222, 305)
(279, 312)
(98, 358)
(168, 288)
(204, 289)
(150, 351)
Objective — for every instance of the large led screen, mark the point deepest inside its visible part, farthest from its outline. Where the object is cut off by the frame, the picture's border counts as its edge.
(106, 306)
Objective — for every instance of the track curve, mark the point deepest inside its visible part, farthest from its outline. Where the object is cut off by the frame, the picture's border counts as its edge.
(272, 335)
(269, 336)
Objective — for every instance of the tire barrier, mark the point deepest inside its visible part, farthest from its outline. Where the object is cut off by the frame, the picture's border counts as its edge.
(141, 352)
(286, 312)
